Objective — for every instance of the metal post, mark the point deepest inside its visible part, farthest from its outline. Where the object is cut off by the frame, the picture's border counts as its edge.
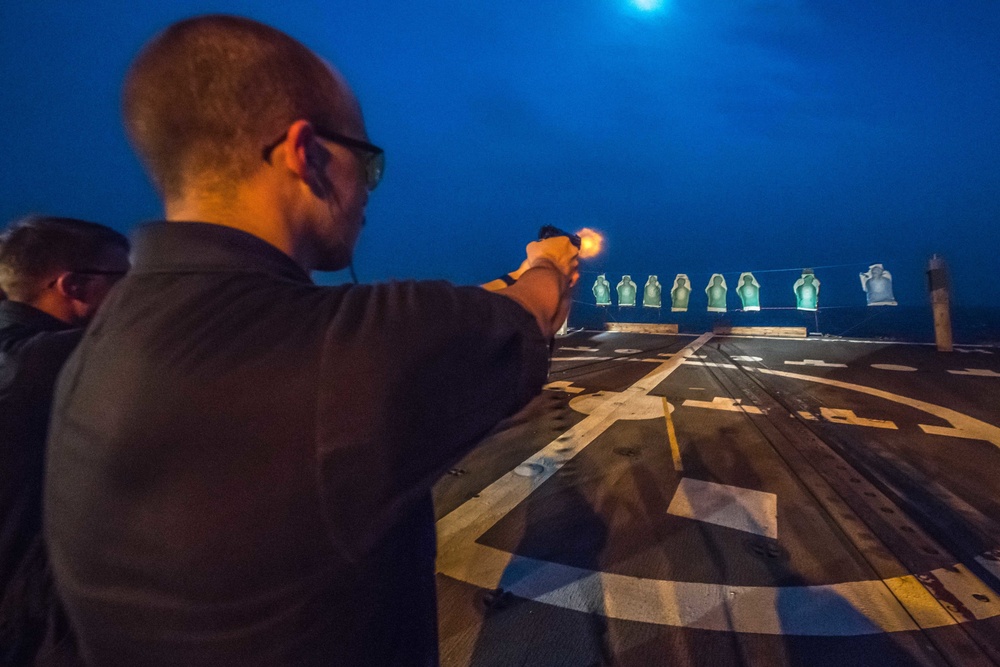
(937, 279)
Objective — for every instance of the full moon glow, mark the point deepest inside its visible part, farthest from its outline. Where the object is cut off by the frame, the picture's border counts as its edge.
(648, 5)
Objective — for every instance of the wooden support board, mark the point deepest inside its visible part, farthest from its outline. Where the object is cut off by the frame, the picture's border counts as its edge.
(636, 327)
(783, 332)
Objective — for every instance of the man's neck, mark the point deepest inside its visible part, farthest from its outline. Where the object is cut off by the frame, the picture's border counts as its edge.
(246, 212)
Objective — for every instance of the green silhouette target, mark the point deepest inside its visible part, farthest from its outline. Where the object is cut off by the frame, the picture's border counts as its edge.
(602, 291)
(626, 291)
(749, 291)
(806, 291)
(651, 293)
(716, 292)
(680, 293)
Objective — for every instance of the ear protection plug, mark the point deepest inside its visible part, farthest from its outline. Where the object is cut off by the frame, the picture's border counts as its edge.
(315, 161)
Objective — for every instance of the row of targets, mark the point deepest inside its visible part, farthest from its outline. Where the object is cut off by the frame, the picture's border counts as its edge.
(876, 283)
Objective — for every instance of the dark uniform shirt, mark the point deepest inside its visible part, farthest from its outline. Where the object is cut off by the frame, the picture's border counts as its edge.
(241, 461)
(33, 347)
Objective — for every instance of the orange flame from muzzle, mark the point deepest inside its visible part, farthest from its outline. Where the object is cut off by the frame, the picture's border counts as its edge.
(590, 242)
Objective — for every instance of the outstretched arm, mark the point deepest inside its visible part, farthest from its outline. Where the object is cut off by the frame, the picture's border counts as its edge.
(544, 282)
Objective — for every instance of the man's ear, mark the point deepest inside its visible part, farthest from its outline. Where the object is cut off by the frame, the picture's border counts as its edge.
(300, 148)
(306, 157)
(72, 286)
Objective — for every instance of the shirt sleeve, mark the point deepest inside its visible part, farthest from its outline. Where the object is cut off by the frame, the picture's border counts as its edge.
(413, 375)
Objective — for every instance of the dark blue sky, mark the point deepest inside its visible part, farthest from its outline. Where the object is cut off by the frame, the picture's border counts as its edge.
(706, 135)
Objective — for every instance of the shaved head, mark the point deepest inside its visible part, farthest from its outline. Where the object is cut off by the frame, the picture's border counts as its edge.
(206, 95)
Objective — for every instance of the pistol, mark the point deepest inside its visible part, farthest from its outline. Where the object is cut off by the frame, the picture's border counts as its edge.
(551, 231)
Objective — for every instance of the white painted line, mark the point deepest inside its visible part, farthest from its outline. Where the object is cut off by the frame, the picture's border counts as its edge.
(579, 349)
(627, 350)
(580, 358)
(963, 585)
(730, 506)
(840, 416)
(563, 385)
(815, 362)
(948, 431)
(710, 364)
(723, 403)
(893, 367)
(967, 351)
(977, 372)
(747, 358)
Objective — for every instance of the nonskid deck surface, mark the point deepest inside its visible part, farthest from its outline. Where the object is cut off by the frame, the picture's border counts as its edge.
(713, 500)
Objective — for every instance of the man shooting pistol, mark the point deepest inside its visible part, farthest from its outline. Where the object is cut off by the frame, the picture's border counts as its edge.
(537, 291)
(584, 244)
(240, 461)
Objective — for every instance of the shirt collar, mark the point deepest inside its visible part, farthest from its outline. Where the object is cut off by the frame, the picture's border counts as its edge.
(21, 314)
(202, 247)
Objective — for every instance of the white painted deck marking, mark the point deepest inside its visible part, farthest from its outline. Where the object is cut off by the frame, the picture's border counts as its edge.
(578, 349)
(730, 506)
(844, 609)
(710, 364)
(747, 358)
(627, 350)
(967, 351)
(815, 362)
(639, 407)
(839, 416)
(963, 426)
(563, 385)
(580, 358)
(723, 403)
(950, 432)
(893, 367)
(675, 449)
(977, 372)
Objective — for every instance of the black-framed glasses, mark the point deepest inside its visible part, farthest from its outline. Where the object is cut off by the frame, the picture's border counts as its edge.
(372, 156)
(116, 274)
(100, 272)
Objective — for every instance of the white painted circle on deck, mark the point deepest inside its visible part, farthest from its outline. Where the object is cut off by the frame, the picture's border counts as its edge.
(893, 367)
(637, 407)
